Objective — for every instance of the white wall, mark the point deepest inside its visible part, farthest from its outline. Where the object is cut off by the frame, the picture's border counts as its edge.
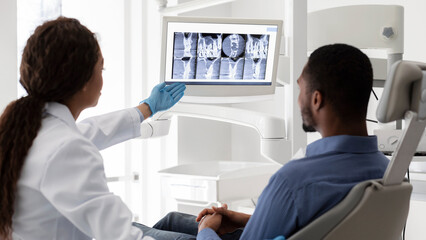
(8, 52)
(107, 22)
(118, 25)
(265, 9)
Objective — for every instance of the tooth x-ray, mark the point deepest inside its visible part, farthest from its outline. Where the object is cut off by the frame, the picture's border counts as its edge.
(184, 55)
(219, 56)
(232, 64)
(256, 54)
(209, 53)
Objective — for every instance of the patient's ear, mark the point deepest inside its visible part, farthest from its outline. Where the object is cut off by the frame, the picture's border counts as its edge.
(317, 100)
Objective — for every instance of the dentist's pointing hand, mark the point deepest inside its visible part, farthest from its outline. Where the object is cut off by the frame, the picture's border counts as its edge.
(164, 97)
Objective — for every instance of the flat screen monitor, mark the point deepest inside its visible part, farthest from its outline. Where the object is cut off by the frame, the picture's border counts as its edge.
(221, 60)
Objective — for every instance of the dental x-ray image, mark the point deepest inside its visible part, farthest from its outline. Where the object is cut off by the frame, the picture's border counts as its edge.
(185, 45)
(184, 55)
(209, 45)
(208, 68)
(209, 53)
(232, 63)
(256, 54)
(232, 68)
(184, 68)
(255, 68)
(233, 45)
(219, 56)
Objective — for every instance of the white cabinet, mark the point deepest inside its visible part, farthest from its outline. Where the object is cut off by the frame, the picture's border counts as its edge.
(218, 181)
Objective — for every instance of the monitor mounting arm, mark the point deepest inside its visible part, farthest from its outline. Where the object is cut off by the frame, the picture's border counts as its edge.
(274, 143)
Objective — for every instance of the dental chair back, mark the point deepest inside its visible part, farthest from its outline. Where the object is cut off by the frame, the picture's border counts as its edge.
(378, 209)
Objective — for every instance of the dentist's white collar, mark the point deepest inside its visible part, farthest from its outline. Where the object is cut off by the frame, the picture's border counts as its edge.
(61, 112)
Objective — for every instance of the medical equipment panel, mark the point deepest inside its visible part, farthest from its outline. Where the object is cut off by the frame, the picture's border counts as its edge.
(388, 139)
(218, 57)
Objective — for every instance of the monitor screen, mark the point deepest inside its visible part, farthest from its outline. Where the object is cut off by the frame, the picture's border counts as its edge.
(221, 57)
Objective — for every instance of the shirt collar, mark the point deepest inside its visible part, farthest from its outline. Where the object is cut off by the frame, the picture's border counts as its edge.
(61, 112)
(343, 143)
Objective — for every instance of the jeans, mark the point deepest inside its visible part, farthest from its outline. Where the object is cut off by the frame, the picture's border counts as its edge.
(178, 226)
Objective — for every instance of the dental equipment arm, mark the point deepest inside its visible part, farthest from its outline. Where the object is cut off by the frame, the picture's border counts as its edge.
(274, 144)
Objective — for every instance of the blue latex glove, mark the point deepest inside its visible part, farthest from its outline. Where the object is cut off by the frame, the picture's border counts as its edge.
(164, 97)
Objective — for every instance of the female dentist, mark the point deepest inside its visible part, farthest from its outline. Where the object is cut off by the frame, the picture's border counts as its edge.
(53, 184)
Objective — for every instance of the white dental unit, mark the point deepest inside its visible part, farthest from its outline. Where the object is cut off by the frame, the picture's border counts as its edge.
(222, 67)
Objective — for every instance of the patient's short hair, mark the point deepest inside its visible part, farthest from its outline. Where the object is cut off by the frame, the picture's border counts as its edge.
(343, 74)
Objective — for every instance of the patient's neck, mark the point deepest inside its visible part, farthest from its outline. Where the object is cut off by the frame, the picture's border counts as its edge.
(337, 126)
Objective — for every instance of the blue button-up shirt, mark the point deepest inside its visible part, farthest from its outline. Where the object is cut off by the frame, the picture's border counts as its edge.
(304, 189)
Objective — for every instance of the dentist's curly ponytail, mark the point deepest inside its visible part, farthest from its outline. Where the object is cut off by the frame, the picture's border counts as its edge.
(57, 62)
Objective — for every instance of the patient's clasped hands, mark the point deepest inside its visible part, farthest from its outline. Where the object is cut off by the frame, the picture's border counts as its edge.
(221, 220)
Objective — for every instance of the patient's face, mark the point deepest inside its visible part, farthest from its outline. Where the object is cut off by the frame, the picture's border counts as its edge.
(304, 101)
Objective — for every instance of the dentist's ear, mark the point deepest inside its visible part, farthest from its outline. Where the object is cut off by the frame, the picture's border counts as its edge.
(84, 89)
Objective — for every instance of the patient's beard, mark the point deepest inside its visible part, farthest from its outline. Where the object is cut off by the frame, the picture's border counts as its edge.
(307, 128)
(308, 120)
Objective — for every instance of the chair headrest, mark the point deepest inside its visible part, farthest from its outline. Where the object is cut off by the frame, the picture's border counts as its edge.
(405, 89)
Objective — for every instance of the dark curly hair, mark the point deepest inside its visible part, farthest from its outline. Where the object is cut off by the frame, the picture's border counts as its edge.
(343, 74)
(57, 62)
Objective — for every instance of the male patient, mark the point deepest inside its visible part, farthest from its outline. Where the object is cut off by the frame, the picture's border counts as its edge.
(335, 87)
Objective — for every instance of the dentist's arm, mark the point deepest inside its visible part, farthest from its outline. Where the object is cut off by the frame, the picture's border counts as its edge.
(145, 110)
(112, 128)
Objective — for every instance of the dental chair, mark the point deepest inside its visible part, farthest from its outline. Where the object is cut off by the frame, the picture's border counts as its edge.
(378, 209)
(374, 209)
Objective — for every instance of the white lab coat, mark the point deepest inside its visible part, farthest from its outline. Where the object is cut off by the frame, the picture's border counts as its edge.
(62, 192)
